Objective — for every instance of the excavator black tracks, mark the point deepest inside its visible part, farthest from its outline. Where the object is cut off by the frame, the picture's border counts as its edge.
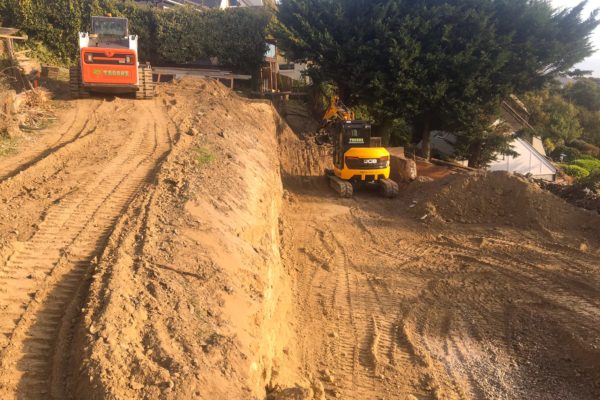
(342, 187)
(389, 188)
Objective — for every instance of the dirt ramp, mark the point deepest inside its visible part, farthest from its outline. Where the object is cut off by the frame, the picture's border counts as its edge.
(499, 198)
(190, 299)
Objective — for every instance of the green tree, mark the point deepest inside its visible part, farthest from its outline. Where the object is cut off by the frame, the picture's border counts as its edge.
(553, 117)
(590, 122)
(585, 93)
(438, 63)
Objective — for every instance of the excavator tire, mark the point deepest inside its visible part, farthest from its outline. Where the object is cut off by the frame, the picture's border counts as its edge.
(343, 188)
(389, 188)
(147, 89)
(76, 89)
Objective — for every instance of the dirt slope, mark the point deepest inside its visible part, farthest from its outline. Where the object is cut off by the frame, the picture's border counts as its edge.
(58, 203)
(190, 299)
(505, 305)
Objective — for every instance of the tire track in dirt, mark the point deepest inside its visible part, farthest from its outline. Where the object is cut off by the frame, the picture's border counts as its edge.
(75, 129)
(45, 276)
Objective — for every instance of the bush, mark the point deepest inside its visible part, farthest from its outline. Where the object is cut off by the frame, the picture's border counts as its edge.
(570, 153)
(587, 164)
(592, 181)
(585, 147)
(575, 171)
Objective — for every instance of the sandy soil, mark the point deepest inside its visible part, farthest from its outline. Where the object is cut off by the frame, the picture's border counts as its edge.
(59, 199)
(187, 248)
(394, 302)
(189, 299)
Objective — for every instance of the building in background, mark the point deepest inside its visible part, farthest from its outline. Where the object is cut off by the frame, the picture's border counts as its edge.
(531, 157)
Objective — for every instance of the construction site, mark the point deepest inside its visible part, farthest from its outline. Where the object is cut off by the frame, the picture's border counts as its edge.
(182, 240)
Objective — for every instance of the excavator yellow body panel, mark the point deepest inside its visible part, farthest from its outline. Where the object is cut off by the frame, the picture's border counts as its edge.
(364, 164)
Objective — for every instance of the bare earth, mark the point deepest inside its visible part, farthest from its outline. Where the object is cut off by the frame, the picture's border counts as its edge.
(390, 307)
(188, 248)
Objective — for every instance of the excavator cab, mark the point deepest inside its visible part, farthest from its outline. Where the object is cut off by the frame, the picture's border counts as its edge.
(351, 134)
(109, 31)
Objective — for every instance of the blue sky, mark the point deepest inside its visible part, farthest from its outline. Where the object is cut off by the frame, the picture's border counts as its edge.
(593, 62)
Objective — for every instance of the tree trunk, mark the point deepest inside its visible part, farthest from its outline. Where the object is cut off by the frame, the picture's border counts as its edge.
(475, 154)
(426, 138)
(384, 131)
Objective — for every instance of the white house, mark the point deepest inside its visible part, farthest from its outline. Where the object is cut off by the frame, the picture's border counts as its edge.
(241, 3)
(529, 161)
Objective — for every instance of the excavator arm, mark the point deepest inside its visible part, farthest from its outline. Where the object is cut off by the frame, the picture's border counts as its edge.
(337, 110)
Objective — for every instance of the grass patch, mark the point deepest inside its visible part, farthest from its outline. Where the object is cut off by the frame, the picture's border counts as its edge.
(8, 146)
(203, 156)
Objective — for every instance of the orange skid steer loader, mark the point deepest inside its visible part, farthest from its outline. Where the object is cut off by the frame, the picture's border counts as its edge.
(109, 63)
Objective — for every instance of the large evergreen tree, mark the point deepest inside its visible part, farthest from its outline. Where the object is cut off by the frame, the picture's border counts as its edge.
(440, 63)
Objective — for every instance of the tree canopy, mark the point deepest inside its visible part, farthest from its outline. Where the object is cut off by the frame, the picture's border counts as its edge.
(441, 64)
(585, 93)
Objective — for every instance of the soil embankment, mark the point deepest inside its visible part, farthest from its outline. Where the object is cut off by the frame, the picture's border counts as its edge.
(190, 299)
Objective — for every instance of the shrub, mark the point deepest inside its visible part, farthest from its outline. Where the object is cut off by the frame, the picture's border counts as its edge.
(570, 153)
(575, 171)
(587, 164)
(592, 181)
(585, 147)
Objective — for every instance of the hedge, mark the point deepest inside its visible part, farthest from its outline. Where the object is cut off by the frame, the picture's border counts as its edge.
(587, 164)
(575, 171)
(179, 35)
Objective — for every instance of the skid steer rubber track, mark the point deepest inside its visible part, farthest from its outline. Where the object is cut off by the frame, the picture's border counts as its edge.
(146, 90)
(343, 188)
(76, 89)
(389, 188)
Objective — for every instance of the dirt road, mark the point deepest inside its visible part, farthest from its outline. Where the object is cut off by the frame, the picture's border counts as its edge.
(393, 307)
(59, 200)
(187, 248)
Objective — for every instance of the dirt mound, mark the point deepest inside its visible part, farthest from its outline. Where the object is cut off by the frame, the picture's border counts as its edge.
(189, 299)
(498, 198)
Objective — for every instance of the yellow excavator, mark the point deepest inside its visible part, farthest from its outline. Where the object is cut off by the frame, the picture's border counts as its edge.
(358, 158)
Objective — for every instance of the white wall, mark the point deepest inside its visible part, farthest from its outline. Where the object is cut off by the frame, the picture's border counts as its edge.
(529, 161)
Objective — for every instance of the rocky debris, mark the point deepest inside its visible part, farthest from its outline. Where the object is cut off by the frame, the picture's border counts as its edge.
(402, 168)
(577, 194)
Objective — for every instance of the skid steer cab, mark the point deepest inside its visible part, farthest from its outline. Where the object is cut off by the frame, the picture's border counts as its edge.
(109, 62)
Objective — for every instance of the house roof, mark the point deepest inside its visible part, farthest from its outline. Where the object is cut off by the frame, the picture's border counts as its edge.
(537, 154)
